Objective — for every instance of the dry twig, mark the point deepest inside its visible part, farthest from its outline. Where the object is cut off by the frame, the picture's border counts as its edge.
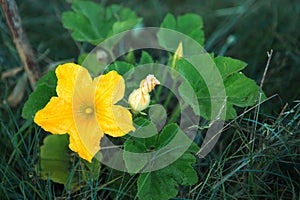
(20, 39)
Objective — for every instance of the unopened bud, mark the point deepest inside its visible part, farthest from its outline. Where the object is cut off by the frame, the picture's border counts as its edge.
(148, 84)
(139, 99)
(178, 54)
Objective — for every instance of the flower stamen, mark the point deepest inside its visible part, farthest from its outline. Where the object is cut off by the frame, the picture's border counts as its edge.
(88, 110)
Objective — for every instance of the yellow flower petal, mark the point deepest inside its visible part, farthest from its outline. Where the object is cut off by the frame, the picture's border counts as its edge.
(85, 140)
(110, 88)
(56, 117)
(66, 75)
(115, 121)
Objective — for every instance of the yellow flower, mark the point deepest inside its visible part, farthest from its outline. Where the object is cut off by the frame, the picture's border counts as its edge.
(139, 99)
(84, 108)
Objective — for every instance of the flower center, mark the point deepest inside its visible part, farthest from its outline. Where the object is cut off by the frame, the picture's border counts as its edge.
(88, 110)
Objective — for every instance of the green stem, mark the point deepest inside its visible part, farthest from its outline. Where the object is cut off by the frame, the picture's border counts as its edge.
(170, 95)
(159, 89)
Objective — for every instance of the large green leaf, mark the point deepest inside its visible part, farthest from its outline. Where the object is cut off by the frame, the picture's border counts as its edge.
(45, 89)
(162, 183)
(139, 144)
(240, 90)
(189, 24)
(228, 66)
(91, 22)
(194, 89)
(56, 163)
(55, 160)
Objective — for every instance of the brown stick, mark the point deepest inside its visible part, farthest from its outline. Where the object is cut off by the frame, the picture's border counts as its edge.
(20, 39)
(11, 72)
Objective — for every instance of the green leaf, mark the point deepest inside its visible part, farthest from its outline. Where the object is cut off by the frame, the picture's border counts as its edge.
(121, 67)
(189, 24)
(241, 91)
(45, 89)
(91, 63)
(228, 66)
(55, 160)
(146, 58)
(91, 22)
(163, 184)
(169, 22)
(189, 72)
(139, 144)
(130, 57)
(194, 92)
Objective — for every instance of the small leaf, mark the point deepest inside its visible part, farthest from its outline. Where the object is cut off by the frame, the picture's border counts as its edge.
(169, 22)
(45, 89)
(146, 58)
(121, 67)
(130, 57)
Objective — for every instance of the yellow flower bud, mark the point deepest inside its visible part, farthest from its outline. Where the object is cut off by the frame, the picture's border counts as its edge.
(139, 99)
(178, 54)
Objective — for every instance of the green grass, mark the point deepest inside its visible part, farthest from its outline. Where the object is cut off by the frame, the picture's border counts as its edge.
(267, 167)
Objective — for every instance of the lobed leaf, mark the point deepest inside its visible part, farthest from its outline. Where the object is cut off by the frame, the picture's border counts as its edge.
(189, 24)
(45, 89)
(91, 22)
(240, 90)
(228, 66)
(162, 183)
